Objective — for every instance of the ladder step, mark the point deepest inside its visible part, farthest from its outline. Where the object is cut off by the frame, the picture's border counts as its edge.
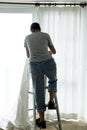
(46, 87)
(46, 105)
(30, 92)
(30, 109)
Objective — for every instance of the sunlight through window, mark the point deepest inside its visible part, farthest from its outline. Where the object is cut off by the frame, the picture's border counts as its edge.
(13, 29)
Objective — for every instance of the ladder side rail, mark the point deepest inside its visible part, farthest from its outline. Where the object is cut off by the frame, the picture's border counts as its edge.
(58, 114)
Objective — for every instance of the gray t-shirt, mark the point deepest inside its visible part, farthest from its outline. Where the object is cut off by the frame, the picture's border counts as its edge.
(37, 44)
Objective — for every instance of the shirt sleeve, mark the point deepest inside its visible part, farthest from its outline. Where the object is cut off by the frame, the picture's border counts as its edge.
(49, 41)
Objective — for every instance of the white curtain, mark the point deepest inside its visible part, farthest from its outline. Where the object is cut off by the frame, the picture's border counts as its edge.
(67, 28)
(83, 61)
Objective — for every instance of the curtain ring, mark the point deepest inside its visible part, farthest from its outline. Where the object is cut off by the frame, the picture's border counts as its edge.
(37, 4)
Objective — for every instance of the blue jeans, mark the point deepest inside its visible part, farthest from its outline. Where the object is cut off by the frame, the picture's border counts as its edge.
(38, 71)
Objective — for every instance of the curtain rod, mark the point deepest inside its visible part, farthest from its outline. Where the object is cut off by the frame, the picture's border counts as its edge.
(46, 3)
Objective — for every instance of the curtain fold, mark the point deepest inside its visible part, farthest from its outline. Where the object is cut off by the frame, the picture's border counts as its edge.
(83, 63)
(21, 120)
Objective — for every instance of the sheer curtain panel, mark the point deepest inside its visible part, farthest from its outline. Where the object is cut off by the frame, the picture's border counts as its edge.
(64, 24)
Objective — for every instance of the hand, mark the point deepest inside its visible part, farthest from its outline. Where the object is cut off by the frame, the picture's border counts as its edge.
(50, 52)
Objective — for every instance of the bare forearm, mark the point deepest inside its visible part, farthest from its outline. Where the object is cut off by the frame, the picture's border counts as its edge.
(27, 53)
(52, 49)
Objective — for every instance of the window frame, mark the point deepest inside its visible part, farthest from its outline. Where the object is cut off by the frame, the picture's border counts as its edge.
(9, 8)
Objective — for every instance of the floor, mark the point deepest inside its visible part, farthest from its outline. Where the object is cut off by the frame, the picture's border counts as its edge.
(69, 125)
(66, 125)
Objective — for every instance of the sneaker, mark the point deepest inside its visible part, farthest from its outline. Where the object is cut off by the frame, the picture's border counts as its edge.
(41, 124)
(51, 105)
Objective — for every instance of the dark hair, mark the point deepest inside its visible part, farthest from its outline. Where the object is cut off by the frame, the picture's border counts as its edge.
(35, 26)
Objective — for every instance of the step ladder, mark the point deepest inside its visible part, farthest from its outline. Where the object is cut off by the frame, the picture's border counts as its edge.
(56, 123)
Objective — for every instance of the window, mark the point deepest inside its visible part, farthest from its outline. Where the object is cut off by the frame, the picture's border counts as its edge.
(13, 29)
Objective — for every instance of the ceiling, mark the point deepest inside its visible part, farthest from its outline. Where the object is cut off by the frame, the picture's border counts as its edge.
(43, 0)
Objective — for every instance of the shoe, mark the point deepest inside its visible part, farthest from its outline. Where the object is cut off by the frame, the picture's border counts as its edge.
(41, 124)
(37, 121)
(51, 105)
